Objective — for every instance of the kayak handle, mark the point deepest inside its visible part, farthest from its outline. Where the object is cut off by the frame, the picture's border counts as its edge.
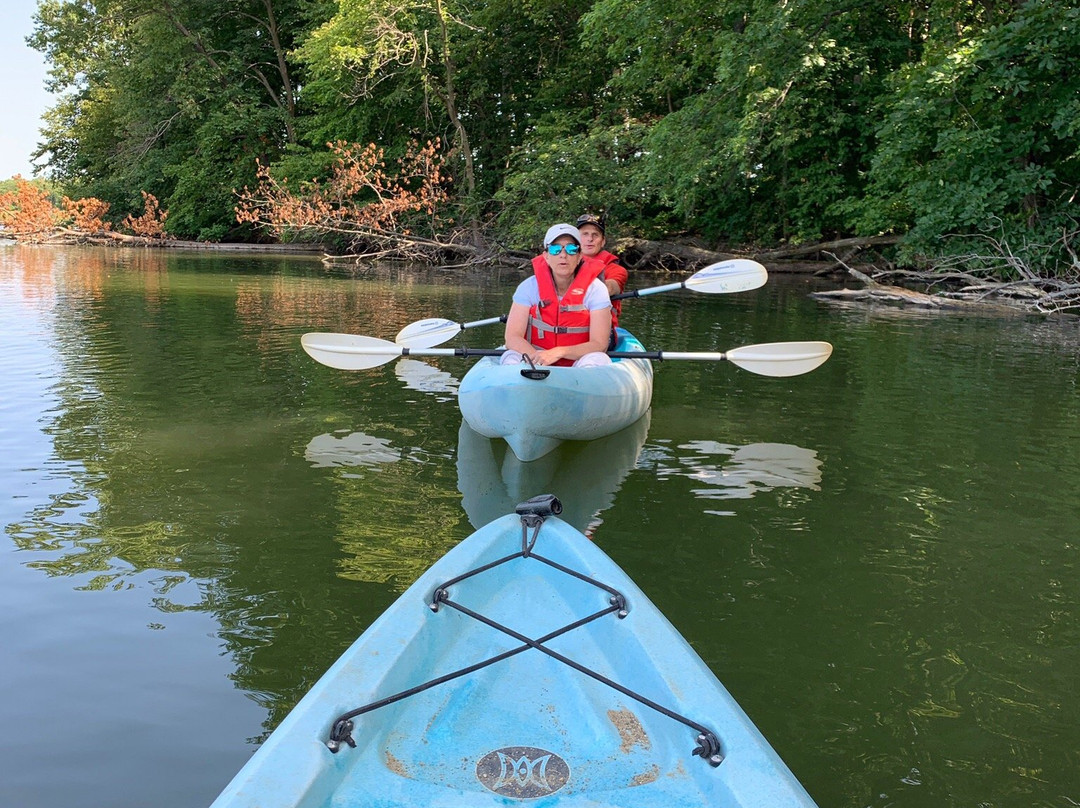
(542, 505)
(533, 372)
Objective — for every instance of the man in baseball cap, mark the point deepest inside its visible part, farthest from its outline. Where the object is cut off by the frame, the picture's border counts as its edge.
(592, 235)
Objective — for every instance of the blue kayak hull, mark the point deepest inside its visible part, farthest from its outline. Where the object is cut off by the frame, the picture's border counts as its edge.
(536, 415)
(528, 729)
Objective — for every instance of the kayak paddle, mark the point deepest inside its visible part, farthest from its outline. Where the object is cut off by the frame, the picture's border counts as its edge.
(354, 352)
(736, 275)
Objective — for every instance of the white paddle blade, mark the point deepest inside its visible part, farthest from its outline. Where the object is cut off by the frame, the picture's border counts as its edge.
(428, 333)
(736, 275)
(780, 358)
(349, 351)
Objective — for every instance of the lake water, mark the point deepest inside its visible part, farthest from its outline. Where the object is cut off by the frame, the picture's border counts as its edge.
(879, 559)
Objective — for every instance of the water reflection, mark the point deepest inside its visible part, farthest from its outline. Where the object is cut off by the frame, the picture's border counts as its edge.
(415, 521)
(584, 475)
(425, 378)
(355, 449)
(723, 471)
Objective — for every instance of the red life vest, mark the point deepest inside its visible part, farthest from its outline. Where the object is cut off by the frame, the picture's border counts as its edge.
(561, 321)
(613, 272)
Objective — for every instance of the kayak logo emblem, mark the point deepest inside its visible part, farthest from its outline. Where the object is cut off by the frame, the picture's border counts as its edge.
(522, 772)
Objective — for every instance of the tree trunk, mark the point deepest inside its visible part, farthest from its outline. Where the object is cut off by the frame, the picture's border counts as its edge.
(455, 119)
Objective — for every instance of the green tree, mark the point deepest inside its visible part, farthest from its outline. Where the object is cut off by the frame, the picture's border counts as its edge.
(983, 131)
(175, 98)
(743, 121)
(410, 48)
(482, 78)
(771, 115)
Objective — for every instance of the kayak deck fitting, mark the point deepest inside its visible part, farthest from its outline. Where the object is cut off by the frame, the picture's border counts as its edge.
(524, 665)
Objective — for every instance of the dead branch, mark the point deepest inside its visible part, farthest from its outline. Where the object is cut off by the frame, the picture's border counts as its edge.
(1040, 294)
(862, 276)
(458, 249)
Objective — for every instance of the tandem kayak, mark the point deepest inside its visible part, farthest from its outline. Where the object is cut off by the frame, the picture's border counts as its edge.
(522, 666)
(534, 415)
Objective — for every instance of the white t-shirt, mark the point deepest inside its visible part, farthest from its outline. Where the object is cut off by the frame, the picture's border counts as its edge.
(596, 295)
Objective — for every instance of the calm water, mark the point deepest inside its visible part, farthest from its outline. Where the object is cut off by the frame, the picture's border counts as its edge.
(879, 559)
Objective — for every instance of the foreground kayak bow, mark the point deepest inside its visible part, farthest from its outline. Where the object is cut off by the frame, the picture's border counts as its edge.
(524, 664)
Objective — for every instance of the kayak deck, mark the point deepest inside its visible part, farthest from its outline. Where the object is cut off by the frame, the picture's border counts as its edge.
(546, 675)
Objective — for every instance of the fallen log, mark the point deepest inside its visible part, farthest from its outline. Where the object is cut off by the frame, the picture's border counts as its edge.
(875, 292)
(643, 254)
(858, 243)
(112, 238)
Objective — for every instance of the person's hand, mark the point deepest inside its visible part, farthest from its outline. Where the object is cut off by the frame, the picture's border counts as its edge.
(548, 356)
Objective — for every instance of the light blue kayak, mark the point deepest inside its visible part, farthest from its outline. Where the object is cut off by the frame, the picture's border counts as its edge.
(536, 415)
(523, 668)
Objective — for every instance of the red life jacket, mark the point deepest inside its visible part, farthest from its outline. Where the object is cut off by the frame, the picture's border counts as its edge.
(613, 272)
(561, 321)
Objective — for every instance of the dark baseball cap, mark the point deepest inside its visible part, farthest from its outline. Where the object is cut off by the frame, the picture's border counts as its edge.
(593, 219)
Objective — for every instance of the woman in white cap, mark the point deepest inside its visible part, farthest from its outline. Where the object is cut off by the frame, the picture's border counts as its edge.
(562, 314)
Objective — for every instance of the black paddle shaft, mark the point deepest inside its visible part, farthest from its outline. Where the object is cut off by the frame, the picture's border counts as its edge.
(655, 355)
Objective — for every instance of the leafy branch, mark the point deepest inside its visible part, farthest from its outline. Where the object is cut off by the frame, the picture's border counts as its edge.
(362, 199)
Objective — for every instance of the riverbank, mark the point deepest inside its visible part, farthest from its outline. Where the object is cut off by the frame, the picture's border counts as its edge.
(878, 281)
(642, 255)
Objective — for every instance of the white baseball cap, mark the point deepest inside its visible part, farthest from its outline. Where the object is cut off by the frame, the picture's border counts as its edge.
(557, 230)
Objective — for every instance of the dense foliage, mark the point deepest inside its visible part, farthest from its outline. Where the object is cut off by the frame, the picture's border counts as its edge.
(738, 121)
